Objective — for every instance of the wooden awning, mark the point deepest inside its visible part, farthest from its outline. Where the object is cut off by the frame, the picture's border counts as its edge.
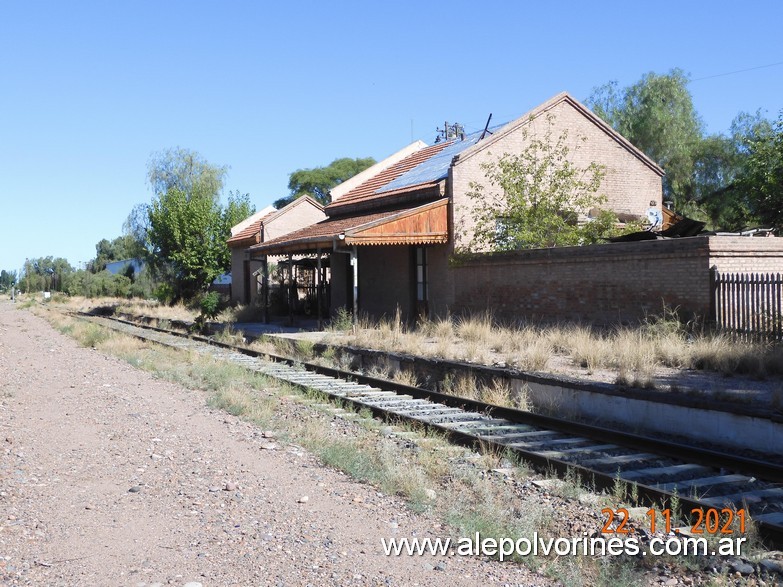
(422, 225)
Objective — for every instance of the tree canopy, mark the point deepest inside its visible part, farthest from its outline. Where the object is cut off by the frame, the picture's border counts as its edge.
(534, 198)
(187, 171)
(187, 227)
(7, 279)
(45, 274)
(106, 251)
(317, 182)
(702, 171)
(761, 179)
(657, 115)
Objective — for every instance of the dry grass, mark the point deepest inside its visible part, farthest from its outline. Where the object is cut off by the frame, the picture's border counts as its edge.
(228, 335)
(242, 313)
(405, 377)
(155, 309)
(634, 355)
(461, 386)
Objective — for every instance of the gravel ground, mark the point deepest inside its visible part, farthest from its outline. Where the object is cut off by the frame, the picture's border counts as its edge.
(111, 477)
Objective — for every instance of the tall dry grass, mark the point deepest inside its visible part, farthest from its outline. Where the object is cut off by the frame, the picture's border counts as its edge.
(634, 354)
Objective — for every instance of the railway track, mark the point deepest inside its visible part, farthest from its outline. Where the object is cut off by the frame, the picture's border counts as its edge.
(654, 470)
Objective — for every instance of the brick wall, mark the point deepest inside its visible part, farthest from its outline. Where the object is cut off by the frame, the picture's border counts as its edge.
(629, 184)
(604, 283)
(746, 255)
(386, 280)
(610, 283)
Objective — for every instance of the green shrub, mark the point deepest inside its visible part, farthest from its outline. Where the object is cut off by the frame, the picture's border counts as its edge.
(210, 305)
(164, 293)
(342, 321)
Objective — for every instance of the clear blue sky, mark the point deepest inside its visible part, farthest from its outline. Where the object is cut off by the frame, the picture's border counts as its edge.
(89, 90)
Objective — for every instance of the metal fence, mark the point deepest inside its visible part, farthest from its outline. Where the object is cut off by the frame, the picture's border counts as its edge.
(749, 304)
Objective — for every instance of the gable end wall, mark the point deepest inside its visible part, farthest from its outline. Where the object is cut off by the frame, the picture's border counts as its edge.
(629, 184)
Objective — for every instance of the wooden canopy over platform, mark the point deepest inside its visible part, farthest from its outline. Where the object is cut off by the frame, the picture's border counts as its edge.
(422, 225)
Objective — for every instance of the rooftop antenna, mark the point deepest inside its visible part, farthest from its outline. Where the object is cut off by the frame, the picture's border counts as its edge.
(450, 131)
(486, 127)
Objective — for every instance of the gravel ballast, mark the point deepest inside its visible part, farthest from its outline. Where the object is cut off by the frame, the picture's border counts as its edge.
(109, 476)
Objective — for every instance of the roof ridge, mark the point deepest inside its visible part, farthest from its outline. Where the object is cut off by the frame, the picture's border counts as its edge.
(369, 187)
(543, 108)
(349, 184)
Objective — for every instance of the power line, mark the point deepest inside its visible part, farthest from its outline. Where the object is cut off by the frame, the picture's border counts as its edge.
(698, 79)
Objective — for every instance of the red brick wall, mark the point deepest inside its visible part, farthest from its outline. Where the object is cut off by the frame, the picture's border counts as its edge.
(385, 281)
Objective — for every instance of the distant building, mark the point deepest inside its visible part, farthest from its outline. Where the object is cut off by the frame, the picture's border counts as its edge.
(116, 267)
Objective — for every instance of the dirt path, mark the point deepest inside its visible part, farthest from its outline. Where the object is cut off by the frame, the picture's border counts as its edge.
(111, 477)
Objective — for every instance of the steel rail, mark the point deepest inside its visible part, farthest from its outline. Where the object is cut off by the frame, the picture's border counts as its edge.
(771, 531)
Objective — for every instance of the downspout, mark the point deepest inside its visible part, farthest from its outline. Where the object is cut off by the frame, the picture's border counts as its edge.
(318, 300)
(355, 263)
(291, 290)
(265, 287)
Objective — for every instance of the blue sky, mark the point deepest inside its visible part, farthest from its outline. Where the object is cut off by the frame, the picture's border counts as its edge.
(89, 90)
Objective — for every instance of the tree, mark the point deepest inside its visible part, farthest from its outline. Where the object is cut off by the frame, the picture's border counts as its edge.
(186, 171)
(761, 180)
(317, 182)
(187, 228)
(719, 163)
(535, 198)
(237, 209)
(657, 115)
(7, 279)
(45, 274)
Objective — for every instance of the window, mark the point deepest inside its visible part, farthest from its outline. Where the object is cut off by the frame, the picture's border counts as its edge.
(421, 274)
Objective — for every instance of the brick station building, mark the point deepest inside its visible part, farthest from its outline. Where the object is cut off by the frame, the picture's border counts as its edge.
(390, 231)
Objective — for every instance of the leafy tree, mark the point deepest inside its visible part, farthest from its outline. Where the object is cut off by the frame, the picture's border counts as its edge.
(101, 284)
(720, 163)
(186, 171)
(7, 279)
(657, 115)
(187, 227)
(535, 198)
(45, 274)
(317, 182)
(237, 209)
(761, 180)
(137, 226)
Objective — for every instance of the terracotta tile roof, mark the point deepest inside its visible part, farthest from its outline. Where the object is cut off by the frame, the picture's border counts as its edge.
(421, 223)
(366, 192)
(323, 231)
(250, 235)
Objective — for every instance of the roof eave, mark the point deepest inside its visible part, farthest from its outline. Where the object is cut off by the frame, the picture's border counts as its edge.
(305, 245)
